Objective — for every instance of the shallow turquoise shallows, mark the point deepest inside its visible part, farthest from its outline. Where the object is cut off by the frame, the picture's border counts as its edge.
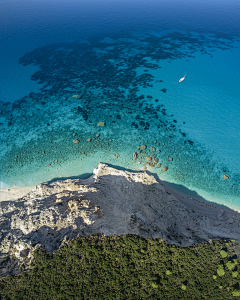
(116, 82)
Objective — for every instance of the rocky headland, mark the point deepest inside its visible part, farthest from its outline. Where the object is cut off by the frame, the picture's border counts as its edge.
(110, 202)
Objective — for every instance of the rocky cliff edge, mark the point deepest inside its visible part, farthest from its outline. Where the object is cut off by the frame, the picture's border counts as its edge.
(110, 202)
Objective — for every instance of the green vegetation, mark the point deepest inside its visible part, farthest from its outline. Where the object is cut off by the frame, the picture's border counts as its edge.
(128, 267)
(220, 271)
(230, 265)
(223, 253)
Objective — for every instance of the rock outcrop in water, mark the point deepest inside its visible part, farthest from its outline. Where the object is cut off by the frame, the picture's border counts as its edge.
(110, 202)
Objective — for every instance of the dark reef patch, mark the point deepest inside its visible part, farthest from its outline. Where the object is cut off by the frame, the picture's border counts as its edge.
(100, 82)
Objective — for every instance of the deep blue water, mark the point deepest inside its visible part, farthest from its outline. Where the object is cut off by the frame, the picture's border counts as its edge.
(67, 65)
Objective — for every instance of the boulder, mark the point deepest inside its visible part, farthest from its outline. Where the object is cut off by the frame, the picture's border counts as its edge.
(151, 165)
(101, 124)
(148, 158)
(135, 155)
(164, 169)
(76, 96)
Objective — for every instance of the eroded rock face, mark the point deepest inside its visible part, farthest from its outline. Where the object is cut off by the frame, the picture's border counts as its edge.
(110, 202)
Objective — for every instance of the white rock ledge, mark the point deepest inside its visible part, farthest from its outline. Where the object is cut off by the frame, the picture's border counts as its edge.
(110, 202)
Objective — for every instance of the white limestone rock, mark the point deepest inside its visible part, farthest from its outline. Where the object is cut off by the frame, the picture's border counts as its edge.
(110, 202)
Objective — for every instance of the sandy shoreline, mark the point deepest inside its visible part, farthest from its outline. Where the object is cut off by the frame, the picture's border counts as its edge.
(209, 209)
(14, 193)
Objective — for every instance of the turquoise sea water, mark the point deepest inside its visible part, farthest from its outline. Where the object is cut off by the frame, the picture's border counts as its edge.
(66, 67)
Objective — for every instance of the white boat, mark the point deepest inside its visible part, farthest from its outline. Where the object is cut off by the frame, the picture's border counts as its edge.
(181, 79)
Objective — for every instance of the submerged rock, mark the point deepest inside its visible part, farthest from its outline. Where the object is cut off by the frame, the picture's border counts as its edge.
(101, 124)
(75, 141)
(225, 176)
(76, 96)
(135, 155)
(164, 169)
(143, 147)
(55, 212)
(151, 165)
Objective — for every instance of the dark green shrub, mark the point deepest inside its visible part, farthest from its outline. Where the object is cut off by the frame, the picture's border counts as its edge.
(127, 267)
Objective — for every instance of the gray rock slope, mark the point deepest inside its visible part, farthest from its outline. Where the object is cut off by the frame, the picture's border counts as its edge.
(111, 201)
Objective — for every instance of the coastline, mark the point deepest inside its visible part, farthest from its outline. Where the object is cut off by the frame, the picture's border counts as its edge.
(110, 202)
(14, 193)
(203, 206)
(188, 198)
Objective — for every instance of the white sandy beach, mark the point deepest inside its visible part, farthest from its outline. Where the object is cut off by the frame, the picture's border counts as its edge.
(14, 193)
